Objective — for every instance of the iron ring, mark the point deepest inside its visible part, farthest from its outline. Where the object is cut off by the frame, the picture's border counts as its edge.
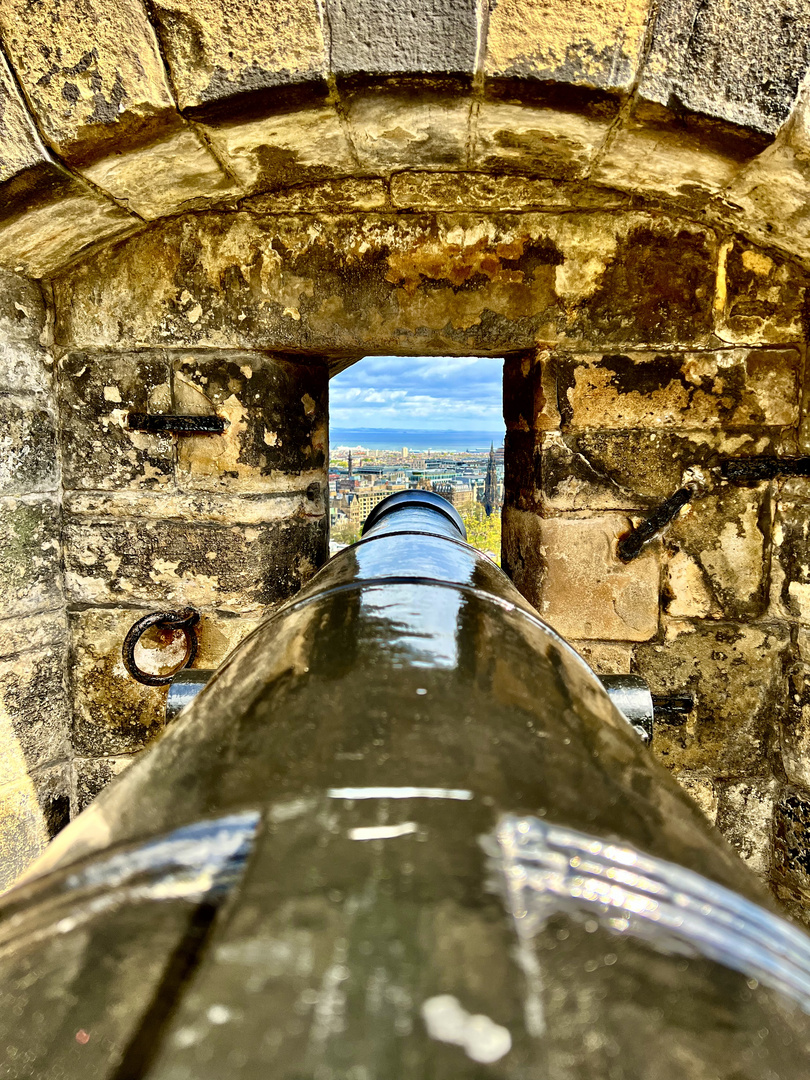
(185, 619)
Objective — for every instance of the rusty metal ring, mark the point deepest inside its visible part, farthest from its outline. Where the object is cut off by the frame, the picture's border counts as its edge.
(185, 619)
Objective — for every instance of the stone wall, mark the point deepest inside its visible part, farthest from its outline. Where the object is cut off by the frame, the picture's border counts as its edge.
(35, 780)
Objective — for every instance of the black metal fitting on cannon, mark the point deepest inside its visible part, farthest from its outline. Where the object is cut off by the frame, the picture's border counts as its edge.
(753, 470)
(185, 619)
(160, 424)
(633, 543)
(672, 709)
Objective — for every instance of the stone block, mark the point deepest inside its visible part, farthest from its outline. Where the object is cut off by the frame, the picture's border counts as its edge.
(53, 788)
(709, 56)
(289, 503)
(790, 566)
(587, 42)
(27, 633)
(20, 145)
(548, 142)
(93, 775)
(760, 297)
(304, 146)
(93, 73)
(794, 731)
(277, 417)
(659, 152)
(736, 675)
(628, 469)
(28, 447)
(725, 537)
(48, 215)
(791, 856)
(585, 592)
(236, 568)
(114, 714)
(213, 55)
(325, 196)
(23, 833)
(34, 710)
(530, 392)
(96, 392)
(727, 388)
(745, 817)
(522, 556)
(392, 127)
(22, 311)
(30, 572)
(464, 191)
(24, 368)
(606, 658)
(702, 791)
(382, 37)
(174, 172)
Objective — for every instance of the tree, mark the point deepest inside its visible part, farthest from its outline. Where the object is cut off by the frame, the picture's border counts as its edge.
(483, 531)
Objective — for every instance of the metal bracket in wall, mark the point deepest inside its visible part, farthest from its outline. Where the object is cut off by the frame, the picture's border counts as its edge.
(631, 696)
(633, 543)
(186, 620)
(754, 470)
(159, 424)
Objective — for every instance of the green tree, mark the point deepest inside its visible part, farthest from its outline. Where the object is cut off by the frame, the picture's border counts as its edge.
(484, 533)
(344, 532)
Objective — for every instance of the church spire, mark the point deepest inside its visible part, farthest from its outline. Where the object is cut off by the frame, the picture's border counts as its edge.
(491, 484)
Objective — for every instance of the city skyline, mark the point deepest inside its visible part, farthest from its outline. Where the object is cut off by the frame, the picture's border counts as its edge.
(422, 393)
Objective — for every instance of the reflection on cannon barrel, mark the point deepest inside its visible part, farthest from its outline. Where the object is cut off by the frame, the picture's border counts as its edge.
(402, 834)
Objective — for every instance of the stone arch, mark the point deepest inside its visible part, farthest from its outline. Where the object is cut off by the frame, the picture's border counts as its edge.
(219, 204)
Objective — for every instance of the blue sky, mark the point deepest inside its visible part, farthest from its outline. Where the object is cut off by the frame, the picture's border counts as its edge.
(419, 393)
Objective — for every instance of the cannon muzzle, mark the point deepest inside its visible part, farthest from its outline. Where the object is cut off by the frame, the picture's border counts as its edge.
(402, 834)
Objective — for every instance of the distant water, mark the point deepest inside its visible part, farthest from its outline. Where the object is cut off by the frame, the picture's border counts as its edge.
(420, 441)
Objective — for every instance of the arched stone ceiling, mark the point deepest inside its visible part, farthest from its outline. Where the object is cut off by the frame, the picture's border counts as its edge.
(113, 114)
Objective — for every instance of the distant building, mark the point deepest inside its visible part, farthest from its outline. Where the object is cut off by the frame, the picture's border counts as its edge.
(491, 499)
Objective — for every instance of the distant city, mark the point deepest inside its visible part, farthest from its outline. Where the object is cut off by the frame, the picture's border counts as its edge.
(362, 473)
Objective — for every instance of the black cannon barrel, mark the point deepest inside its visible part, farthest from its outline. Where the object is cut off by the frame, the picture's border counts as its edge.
(402, 834)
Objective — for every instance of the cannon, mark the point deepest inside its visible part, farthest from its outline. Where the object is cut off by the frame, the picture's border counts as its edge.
(402, 834)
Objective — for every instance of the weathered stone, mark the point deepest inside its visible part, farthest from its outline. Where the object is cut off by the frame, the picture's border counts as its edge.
(794, 731)
(545, 142)
(24, 368)
(174, 172)
(23, 834)
(386, 283)
(383, 37)
(790, 569)
(47, 630)
(53, 788)
(276, 413)
(584, 592)
(729, 388)
(327, 196)
(273, 151)
(22, 311)
(394, 129)
(702, 791)
(27, 447)
(606, 659)
(522, 551)
(726, 534)
(214, 51)
(94, 75)
(48, 216)
(96, 393)
(237, 568)
(93, 774)
(465, 191)
(745, 818)
(20, 145)
(735, 674)
(629, 469)
(30, 574)
(686, 592)
(665, 154)
(586, 42)
(791, 868)
(34, 709)
(737, 61)
(530, 392)
(289, 502)
(760, 297)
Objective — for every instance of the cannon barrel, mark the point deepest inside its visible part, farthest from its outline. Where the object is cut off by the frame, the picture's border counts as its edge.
(402, 834)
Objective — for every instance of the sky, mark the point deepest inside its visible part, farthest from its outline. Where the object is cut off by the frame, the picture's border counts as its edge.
(419, 393)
